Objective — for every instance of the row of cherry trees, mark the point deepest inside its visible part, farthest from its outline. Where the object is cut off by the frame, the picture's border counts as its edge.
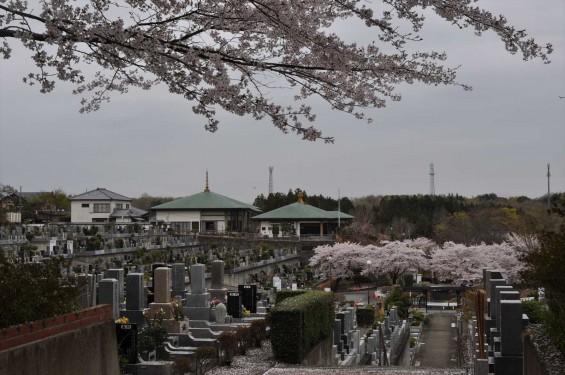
(459, 263)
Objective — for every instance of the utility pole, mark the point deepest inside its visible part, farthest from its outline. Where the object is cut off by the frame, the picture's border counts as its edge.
(271, 180)
(548, 192)
(338, 208)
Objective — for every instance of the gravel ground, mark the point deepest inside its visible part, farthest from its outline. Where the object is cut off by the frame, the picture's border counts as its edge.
(259, 361)
(255, 362)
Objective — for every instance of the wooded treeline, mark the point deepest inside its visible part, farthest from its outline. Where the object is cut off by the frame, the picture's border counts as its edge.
(484, 218)
(277, 200)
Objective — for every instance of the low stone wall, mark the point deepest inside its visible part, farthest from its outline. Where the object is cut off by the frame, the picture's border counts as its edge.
(82, 342)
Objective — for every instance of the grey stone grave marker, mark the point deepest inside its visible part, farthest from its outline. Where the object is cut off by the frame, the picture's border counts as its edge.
(108, 289)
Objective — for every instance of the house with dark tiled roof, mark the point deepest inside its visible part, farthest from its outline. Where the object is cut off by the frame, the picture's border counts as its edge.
(205, 211)
(102, 206)
(301, 219)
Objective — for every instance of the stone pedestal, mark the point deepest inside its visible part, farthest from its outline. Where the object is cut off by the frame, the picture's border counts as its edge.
(162, 309)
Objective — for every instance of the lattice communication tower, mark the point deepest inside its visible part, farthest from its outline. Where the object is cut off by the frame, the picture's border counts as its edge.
(432, 183)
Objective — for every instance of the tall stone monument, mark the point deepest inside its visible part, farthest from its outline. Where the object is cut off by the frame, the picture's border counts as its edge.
(163, 309)
(217, 290)
(198, 301)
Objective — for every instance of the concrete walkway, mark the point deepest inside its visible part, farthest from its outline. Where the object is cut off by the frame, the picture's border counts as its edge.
(438, 345)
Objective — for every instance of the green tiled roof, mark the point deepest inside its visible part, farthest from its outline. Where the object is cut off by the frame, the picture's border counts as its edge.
(206, 200)
(341, 215)
(300, 211)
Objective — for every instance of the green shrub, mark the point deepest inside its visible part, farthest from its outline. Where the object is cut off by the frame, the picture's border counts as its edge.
(534, 310)
(299, 323)
(365, 316)
(417, 315)
(401, 301)
(152, 337)
(284, 294)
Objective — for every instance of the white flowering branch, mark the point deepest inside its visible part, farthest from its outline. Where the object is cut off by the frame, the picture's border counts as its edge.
(233, 54)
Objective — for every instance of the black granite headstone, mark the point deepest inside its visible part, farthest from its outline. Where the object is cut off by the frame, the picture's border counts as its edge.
(248, 297)
(234, 304)
(126, 335)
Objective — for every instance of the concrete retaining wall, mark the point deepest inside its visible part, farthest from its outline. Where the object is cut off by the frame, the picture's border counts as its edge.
(82, 343)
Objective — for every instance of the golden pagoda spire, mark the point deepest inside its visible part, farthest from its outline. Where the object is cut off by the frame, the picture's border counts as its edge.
(300, 196)
(207, 189)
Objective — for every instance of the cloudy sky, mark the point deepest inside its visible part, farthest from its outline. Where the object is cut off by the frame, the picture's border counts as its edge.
(497, 138)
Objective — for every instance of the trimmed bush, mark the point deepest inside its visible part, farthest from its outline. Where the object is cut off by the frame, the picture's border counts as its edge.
(365, 316)
(284, 294)
(300, 322)
(228, 345)
(243, 338)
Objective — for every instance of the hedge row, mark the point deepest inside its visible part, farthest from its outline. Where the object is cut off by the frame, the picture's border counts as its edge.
(365, 316)
(284, 294)
(300, 322)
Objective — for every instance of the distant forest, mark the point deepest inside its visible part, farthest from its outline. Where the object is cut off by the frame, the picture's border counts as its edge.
(485, 218)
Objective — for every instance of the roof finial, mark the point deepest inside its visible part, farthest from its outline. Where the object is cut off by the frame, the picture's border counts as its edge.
(300, 196)
(207, 189)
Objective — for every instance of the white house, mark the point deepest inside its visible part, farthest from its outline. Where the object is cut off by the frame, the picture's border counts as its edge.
(101, 206)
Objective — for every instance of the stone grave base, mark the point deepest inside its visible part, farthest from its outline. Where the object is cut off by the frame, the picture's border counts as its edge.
(198, 300)
(507, 365)
(197, 313)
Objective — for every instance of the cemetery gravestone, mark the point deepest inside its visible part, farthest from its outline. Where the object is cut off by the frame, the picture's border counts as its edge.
(234, 304)
(248, 297)
(109, 295)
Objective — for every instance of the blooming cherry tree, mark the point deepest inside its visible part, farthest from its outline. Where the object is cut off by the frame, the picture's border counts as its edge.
(464, 264)
(459, 263)
(393, 259)
(232, 54)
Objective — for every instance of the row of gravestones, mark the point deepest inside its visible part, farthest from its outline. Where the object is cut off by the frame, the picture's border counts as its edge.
(168, 283)
(504, 324)
(349, 348)
(114, 287)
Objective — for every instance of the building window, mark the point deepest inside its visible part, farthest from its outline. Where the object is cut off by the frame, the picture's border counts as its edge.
(101, 208)
(263, 229)
(86, 205)
(127, 205)
(195, 226)
(119, 206)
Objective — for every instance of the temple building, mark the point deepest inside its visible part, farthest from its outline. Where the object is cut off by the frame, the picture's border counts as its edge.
(301, 219)
(205, 211)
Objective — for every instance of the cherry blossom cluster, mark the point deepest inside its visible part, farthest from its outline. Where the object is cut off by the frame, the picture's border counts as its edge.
(459, 263)
(232, 55)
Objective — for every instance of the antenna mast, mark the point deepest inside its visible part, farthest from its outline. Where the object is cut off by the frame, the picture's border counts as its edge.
(271, 180)
(432, 184)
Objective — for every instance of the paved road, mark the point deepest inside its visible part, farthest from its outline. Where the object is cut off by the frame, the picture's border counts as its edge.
(438, 345)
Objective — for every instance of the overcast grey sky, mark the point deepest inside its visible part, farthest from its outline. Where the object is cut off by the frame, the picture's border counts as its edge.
(497, 138)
